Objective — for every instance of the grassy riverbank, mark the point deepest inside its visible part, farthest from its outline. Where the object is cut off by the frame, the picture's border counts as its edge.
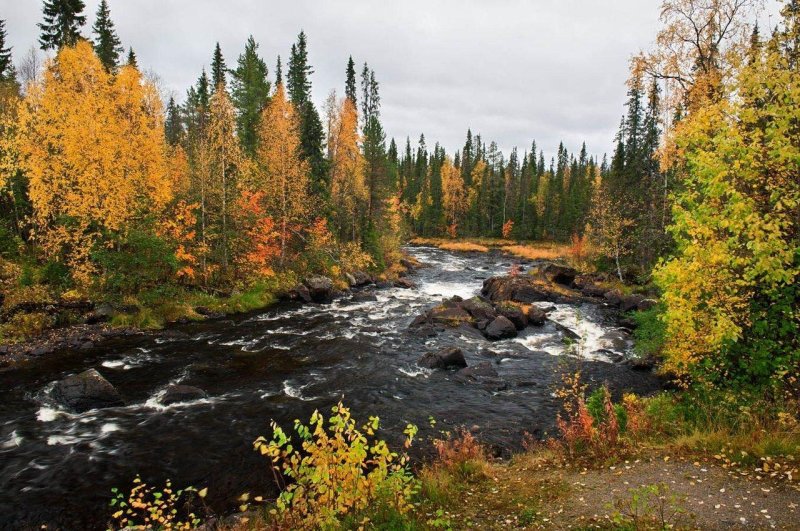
(679, 462)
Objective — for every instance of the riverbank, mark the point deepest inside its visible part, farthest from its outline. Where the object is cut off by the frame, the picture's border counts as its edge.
(150, 313)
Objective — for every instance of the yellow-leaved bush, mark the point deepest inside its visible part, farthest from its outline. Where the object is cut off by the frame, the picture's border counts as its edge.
(93, 149)
(731, 292)
(336, 470)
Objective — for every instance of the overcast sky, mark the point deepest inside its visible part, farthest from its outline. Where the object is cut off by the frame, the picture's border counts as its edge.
(512, 70)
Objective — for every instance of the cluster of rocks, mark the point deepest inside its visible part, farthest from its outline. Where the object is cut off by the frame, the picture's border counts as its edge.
(321, 289)
(558, 283)
(495, 320)
(449, 358)
(90, 390)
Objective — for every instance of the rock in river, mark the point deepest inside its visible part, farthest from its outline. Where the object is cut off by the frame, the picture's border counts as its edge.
(181, 393)
(320, 288)
(500, 328)
(87, 390)
(443, 359)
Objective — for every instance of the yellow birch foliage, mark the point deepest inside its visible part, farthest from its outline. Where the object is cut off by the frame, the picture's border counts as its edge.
(454, 197)
(348, 186)
(93, 148)
(736, 225)
(281, 173)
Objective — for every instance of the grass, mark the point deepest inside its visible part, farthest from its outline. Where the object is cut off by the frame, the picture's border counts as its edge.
(527, 250)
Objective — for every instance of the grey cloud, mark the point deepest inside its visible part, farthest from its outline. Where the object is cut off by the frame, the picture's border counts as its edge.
(512, 70)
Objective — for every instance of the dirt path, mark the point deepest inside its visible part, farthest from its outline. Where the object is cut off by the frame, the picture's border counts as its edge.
(695, 493)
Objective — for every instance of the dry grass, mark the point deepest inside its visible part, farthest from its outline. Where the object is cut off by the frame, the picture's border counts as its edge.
(538, 251)
(530, 250)
(452, 245)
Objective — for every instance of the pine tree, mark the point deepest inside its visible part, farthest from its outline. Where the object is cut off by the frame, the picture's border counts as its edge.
(278, 73)
(312, 135)
(173, 125)
(350, 83)
(107, 45)
(62, 23)
(374, 143)
(132, 59)
(218, 69)
(298, 82)
(250, 93)
(6, 64)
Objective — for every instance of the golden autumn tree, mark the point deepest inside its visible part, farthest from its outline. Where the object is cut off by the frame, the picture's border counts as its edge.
(93, 149)
(281, 174)
(454, 196)
(225, 165)
(348, 186)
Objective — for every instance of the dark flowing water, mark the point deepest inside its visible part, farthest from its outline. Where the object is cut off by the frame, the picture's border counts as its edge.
(58, 468)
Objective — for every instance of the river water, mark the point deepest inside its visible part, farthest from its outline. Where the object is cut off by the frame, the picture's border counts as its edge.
(282, 363)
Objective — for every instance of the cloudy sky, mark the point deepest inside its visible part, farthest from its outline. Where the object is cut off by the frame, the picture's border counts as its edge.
(513, 70)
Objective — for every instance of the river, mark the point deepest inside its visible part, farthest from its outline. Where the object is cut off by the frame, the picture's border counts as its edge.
(281, 363)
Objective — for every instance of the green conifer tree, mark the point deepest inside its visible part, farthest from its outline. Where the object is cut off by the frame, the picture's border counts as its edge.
(62, 23)
(107, 44)
(250, 93)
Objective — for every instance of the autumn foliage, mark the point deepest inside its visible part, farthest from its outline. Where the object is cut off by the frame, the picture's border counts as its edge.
(94, 153)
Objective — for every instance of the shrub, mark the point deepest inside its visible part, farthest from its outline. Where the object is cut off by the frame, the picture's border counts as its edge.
(141, 261)
(338, 470)
(649, 333)
(148, 508)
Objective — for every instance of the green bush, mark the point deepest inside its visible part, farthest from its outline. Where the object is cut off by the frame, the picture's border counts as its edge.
(649, 334)
(141, 261)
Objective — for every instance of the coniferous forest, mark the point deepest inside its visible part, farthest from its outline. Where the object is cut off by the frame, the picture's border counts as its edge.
(237, 246)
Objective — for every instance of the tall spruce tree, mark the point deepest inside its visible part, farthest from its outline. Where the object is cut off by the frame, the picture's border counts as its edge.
(374, 145)
(350, 83)
(173, 124)
(107, 44)
(278, 73)
(6, 64)
(218, 69)
(62, 23)
(298, 78)
(250, 93)
(312, 135)
(132, 61)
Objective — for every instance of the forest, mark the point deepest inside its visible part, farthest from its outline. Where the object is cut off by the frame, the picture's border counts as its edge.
(163, 209)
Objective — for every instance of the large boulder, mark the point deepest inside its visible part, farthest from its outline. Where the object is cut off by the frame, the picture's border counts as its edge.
(320, 288)
(560, 274)
(479, 308)
(443, 359)
(85, 391)
(646, 304)
(404, 283)
(181, 393)
(630, 303)
(613, 297)
(359, 278)
(500, 328)
(536, 315)
(449, 315)
(513, 313)
(516, 288)
(300, 293)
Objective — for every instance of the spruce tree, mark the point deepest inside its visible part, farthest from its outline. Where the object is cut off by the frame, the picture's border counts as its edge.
(173, 125)
(107, 45)
(350, 83)
(312, 135)
(62, 23)
(298, 82)
(278, 73)
(6, 64)
(250, 93)
(131, 61)
(218, 69)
